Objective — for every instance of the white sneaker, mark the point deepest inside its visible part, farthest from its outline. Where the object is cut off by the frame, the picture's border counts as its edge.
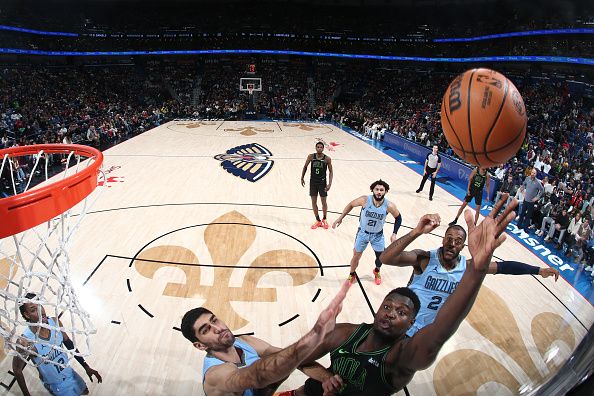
(588, 268)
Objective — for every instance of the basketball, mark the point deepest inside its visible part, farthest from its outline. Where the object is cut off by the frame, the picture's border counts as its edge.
(483, 117)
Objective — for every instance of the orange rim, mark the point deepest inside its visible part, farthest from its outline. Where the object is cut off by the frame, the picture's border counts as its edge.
(31, 208)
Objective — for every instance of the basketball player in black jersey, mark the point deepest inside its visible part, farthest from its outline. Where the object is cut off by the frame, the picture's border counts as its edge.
(476, 181)
(318, 184)
(379, 359)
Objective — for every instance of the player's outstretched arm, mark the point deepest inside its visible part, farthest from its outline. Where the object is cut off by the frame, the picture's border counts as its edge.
(396, 256)
(510, 267)
(279, 365)
(422, 349)
(70, 345)
(354, 203)
(311, 369)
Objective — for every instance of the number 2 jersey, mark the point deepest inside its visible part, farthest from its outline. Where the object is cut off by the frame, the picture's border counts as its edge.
(50, 372)
(433, 287)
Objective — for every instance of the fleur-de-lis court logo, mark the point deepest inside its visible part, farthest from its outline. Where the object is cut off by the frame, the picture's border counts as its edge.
(228, 239)
(302, 126)
(249, 161)
(197, 124)
(464, 371)
(249, 130)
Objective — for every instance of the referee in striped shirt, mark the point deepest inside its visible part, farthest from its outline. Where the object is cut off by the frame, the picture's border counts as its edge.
(432, 165)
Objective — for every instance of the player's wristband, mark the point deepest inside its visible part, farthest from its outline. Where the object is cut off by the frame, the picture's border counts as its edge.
(516, 268)
(397, 223)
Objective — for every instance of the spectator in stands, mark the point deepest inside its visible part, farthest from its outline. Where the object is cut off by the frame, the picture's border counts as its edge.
(533, 191)
(572, 229)
(561, 224)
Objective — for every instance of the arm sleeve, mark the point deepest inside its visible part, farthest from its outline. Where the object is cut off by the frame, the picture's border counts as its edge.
(397, 223)
(516, 268)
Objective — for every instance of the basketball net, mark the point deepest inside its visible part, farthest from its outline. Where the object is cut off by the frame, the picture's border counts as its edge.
(36, 260)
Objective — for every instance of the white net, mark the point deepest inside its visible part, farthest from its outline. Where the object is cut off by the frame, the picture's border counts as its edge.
(35, 281)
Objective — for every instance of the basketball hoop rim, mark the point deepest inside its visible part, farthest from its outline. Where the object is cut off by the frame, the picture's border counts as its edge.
(24, 211)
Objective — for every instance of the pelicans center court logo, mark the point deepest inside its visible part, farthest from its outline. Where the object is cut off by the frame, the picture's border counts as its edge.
(249, 161)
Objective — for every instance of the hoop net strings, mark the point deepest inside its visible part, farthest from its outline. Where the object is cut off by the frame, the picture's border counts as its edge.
(37, 261)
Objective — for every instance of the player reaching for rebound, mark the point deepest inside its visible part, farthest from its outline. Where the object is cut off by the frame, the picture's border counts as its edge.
(436, 273)
(375, 209)
(320, 162)
(380, 359)
(247, 365)
(58, 380)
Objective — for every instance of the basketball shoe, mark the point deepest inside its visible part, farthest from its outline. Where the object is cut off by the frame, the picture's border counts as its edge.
(316, 225)
(378, 277)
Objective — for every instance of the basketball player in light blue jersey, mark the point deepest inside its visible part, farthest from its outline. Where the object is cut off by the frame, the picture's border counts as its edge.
(374, 211)
(437, 273)
(249, 366)
(58, 380)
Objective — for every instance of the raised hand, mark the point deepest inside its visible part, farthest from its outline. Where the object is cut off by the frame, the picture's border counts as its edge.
(485, 237)
(327, 319)
(428, 223)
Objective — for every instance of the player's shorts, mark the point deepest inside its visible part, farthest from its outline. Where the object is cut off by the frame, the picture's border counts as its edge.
(477, 194)
(71, 386)
(316, 189)
(364, 237)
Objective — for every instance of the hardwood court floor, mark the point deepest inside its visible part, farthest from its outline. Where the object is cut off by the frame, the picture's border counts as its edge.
(173, 229)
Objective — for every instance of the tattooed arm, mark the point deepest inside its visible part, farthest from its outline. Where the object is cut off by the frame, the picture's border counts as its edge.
(273, 368)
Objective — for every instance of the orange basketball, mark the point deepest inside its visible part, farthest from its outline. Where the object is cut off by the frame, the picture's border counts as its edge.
(483, 117)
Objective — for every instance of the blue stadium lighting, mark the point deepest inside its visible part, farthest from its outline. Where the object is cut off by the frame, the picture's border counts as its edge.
(517, 34)
(547, 59)
(40, 32)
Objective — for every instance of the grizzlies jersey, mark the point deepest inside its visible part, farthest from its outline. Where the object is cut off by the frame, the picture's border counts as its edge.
(249, 357)
(50, 372)
(478, 182)
(372, 219)
(433, 287)
(362, 372)
(318, 169)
